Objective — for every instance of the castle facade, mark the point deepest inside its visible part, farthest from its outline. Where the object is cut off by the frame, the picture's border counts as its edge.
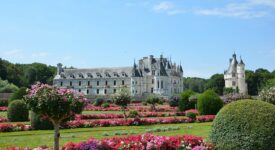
(149, 76)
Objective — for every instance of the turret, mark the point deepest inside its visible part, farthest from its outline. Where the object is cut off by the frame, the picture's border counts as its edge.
(59, 68)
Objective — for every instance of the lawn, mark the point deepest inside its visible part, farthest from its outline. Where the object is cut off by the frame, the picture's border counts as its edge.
(40, 138)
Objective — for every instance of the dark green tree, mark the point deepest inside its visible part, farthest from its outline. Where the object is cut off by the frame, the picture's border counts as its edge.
(216, 83)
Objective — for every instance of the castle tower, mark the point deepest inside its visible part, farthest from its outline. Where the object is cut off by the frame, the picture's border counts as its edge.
(234, 76)
(59, 68)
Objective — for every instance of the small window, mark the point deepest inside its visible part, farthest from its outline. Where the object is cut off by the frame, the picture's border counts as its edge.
(133, 82)
(79, 83)
(105, 91)
(136, 91)
(79, 90)
(114, 91)
(115, 83)
(136, 82)
(153, 81)
(88, 83)
(153, 72)
(61, 83)
(233, 83)
(152, 90)
(88, 91)
(71, 83)
(97, 91)
(97, 83)
(122, 82)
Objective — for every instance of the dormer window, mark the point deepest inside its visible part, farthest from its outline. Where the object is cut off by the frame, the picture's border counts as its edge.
(89, 75)
(98, 74)
(116, 74)
(72, 76)
(80, 75)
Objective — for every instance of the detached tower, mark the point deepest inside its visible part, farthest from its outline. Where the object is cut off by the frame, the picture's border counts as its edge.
(234, 76)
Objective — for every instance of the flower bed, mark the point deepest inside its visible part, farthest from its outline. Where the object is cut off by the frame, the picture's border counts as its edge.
(143, 142)
(129, 122)
(141, 114)
(4, 108)
(14, 127)
(3, 119)
(139, 108)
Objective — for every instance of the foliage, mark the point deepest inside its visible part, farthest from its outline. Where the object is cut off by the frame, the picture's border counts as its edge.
(40, 123)
(133, 113)
(184, 103)
(228, 91)
(209, 103)
(122, 98)
(6, 87)
(216, 83)
(153, 100)
(17, 111)
(174, 101)
(228, 98)
(19, 94)
(239, 126)
(268, 95)
(55, 104)
(99, 101)
(191, 115)
(106, 105)
(195, 84)
(4, 102)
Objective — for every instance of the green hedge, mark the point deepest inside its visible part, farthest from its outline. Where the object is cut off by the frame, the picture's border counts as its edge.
(18, 111)
(39, 123)
(209, 103)
(245, 125)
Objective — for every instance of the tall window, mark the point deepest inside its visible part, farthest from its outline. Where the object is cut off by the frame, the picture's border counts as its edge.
(153, 81)
(61, 83)
(153, 72)
(97, 83)
(233, 83)
(152, 90)
(88, 91)
(114, 91)
(105, 91)
(79, 83)
(122, 82)
(88, 83)
(158, 84)
(97, 91)
(106, 82)
(161, 85)
(79, 90)
(114, 82)
(71, 83)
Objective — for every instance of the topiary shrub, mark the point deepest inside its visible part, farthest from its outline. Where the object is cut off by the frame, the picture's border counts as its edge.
(19, 94)
(245, 125)
(38, 123)
(18, 111)
(209, 103)
(98, 101)
(191, 115)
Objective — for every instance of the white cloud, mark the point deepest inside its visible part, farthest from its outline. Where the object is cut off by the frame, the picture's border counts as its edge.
(269, 3)
(39, 54)
(241, 10)
(163, 6)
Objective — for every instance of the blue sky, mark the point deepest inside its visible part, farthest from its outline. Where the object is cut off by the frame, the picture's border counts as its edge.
(201, 34)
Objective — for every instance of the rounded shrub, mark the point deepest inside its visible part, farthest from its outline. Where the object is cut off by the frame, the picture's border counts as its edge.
(191, 115)
(184, 103)
(18, 111)
(209, 103)
(105, 105)
(38, 123)
(98, 101)
(133, 114)
(245, 125)
(174, 101)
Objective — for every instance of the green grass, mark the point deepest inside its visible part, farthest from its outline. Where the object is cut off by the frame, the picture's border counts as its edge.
(3, 114)
(40, 138)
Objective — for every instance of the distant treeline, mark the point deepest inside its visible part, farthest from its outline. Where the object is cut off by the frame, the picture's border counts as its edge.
(256, 80)
(24, 75)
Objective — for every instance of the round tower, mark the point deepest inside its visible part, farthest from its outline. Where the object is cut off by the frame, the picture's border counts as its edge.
(59, 68)
(241, 77)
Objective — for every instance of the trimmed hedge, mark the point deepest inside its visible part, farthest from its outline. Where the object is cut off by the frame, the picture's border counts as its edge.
(39, 123)
(18, 111)
(209, 103)
(245, 125)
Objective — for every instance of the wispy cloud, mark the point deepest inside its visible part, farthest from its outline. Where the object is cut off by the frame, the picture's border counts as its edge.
(39, 54)
(167, 7)
(13, 53)
(246, 9)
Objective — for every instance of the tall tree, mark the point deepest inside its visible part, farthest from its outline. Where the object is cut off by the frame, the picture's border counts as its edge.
(216, 83)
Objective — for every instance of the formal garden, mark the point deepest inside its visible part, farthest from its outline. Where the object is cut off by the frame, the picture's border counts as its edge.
(47, 117)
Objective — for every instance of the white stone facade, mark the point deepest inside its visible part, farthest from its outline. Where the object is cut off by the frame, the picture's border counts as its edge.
(150, 76)
(234, 76)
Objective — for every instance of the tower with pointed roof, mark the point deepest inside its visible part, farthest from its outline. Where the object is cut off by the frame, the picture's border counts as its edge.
(234, 76)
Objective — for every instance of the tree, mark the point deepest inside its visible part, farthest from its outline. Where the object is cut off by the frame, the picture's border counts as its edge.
(195, 84)
(184, 103)
(209, 103)
(216, 83)
(122, 98)
(6, 87)
(56, 104)
(153, 100)
(19, 94)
